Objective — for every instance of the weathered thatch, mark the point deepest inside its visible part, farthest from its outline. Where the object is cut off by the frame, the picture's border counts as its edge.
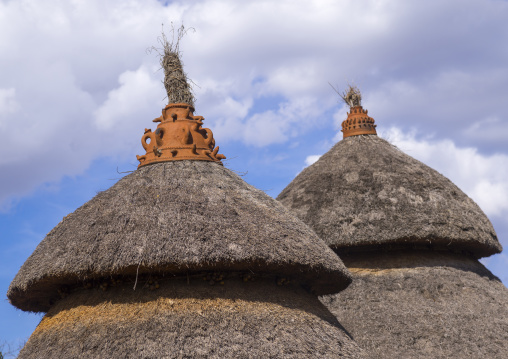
(191, 319)
(175, 218)
(423, 304)
(365, 194)
(411, 238)
(181, 217)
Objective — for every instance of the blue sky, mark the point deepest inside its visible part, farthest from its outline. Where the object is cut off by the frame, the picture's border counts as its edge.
(77, 89)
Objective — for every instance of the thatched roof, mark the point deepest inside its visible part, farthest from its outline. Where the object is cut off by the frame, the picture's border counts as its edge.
(176, 218)
(365, 194)
(423, 304)
(191, 320)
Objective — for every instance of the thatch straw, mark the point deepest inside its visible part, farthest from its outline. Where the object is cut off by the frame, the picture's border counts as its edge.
(365, 194)
(176, 218)
(195, 320)
(352, 97)
(176, 82)
(423, 305)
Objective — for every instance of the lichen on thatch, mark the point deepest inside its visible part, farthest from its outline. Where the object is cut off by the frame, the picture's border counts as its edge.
(423, 304)
(177, 84)
(371, 196)
(191, 320)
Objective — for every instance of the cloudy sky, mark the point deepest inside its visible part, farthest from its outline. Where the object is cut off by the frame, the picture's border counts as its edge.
(78, 87)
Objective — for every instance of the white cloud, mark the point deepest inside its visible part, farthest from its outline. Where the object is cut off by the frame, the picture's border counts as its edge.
(75, 74)
(223, 110)
(338, 117)
(491, 129)
(311, 159)
(483, 177)
(8, 103)
(139, 93)
(265, 128)
(289, 120)
(461, 105)
(60, 60)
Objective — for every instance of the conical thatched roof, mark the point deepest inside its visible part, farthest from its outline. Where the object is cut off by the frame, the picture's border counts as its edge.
(180, 213)
(410, 238)
(175, 217)
(366, 193)
(182, 258)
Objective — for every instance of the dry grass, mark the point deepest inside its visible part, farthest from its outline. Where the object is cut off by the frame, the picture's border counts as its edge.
(183, 320)
(352, 97)
(175, 219)
(176, 82)
(366, 195)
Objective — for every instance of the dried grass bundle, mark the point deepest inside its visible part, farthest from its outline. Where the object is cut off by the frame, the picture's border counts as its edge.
(352, 97)
(177, 84)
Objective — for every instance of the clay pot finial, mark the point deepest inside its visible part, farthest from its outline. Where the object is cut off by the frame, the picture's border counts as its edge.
(179, 136)
(357, 122)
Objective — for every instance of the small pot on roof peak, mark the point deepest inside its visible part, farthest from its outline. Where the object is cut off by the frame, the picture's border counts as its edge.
(179, 136)
(358, 122)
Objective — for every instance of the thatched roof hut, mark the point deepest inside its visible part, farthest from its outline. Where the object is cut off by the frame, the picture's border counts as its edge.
(182, 258)
(411, 238)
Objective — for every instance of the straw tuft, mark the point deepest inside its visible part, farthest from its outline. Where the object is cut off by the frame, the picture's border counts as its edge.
(176, 82)
(352, 97)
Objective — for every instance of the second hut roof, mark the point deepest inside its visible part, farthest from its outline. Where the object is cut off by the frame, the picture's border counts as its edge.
(365, 193)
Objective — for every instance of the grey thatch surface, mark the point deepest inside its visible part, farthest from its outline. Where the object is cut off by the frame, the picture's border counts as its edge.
(364, 194)
(191, 320)
(176, 218)
(423, 305)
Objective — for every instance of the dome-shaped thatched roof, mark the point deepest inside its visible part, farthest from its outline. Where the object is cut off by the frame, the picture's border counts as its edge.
(176, 217)
(179, 218)
(409, 236)
(365, 193)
